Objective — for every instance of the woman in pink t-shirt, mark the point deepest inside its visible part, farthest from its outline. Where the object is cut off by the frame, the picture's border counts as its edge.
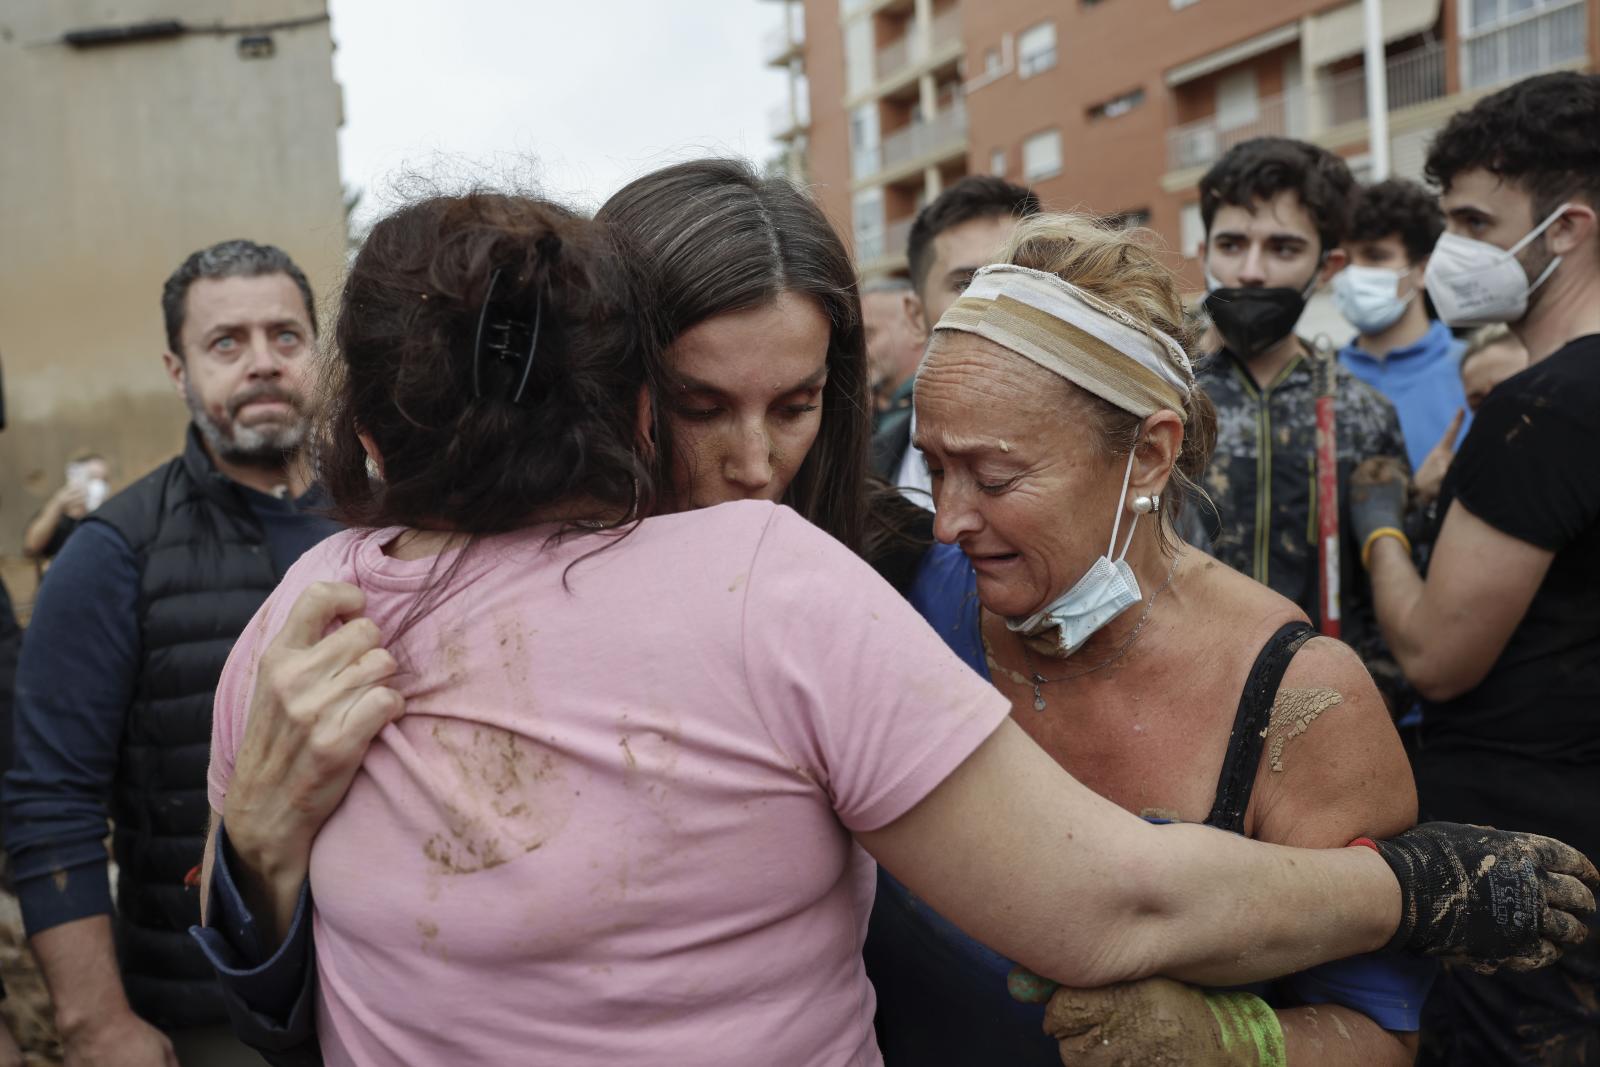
(620, 815)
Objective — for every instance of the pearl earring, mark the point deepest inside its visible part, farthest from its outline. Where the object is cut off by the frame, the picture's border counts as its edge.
(1145, 505)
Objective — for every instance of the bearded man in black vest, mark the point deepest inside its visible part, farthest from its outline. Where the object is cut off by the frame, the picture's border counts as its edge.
(129, 634)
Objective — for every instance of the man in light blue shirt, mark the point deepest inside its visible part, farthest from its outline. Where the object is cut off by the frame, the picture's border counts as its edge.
(1411, 359)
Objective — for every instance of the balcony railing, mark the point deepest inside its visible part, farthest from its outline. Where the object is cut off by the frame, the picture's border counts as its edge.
(946, 130)
(784, 121)
(897, 235)
(945, 133)
(869, 243)
(946, 29)
(894, 57)
(1526, 43)
(864, 162)
(781, 43)
(1413, 78)
(875, 241)
(899, 55)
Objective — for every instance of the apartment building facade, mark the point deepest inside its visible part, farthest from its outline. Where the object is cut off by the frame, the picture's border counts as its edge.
(1118, 106)
(135, 132)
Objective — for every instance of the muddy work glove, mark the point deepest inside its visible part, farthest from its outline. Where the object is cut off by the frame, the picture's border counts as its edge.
(1159, 1021)
(1486, 897)
(1378, 490)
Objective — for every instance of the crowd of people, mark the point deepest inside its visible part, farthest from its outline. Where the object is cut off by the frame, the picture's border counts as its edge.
(631, 640)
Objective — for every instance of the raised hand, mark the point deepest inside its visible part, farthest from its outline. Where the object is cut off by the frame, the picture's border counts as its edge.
(319, 701)
(1430, 476)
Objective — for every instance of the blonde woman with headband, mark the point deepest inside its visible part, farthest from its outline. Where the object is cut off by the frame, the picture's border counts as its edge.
(1063, 428)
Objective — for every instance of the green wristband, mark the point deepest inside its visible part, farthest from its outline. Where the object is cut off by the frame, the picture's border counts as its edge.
(1247, 1025)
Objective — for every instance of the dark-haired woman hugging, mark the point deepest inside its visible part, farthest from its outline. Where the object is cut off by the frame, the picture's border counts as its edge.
(630, 757)
(762, 393)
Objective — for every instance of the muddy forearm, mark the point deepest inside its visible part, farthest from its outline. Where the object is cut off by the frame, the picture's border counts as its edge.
(1159, 1021)
(1330, 1035)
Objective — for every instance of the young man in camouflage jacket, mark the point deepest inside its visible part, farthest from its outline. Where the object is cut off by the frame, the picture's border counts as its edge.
(1275, 212)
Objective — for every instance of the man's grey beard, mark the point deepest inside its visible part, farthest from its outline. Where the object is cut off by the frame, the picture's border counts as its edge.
(271, 446)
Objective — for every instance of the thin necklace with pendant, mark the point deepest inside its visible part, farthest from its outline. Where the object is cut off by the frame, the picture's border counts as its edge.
(1038, 681)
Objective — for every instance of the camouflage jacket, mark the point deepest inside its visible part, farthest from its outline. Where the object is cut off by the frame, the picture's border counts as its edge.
(1263, 484)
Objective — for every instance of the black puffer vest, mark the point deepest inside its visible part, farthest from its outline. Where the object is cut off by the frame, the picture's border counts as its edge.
(204, 570)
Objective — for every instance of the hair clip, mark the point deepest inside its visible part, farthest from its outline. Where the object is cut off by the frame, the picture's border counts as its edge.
(504, 336)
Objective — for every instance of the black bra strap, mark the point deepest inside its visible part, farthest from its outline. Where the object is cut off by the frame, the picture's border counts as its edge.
(1249, 736)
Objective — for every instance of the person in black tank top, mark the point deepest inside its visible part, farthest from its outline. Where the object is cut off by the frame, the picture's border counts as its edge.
(1251, 725)
(1189, 693)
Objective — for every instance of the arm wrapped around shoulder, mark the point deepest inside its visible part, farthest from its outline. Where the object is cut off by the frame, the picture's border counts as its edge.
(1490, 898)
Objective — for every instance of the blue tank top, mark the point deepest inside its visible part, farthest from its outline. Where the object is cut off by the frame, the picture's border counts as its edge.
(942, 995)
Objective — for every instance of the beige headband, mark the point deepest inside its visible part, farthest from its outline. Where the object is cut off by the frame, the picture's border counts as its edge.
(1073, 333)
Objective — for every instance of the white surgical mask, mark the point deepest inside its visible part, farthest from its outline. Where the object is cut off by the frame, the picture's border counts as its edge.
(1475, 283)
(1368, 297)
(1106, 590)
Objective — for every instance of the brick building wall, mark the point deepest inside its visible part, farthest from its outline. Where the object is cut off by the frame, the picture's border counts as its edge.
(1142, 94)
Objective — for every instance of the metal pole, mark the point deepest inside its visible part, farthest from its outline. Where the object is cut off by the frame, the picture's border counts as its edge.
(1377, 90)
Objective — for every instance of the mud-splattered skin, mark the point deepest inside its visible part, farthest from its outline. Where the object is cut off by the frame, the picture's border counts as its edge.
(1148, 726)
(1292, 715)
(1151, 730)
(746, 401)
(1162, 1023)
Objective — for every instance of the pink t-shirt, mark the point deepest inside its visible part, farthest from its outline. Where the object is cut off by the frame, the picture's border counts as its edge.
(614, 823)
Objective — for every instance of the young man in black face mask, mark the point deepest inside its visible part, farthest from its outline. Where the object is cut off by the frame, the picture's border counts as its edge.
(1275, 212)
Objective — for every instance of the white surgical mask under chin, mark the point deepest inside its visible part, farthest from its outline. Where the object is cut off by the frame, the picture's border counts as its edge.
(1475, 283)
(1106, 590)
(1366, 297)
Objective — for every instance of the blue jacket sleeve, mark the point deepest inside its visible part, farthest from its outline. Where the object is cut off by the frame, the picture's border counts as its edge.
(1386, 987)
(270, 997)
(75, 678)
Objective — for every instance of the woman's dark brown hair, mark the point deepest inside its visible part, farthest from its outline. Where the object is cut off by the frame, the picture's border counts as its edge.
(401, 370)
(711, 237)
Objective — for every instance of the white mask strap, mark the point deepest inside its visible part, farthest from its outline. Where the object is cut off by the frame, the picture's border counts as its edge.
(1122, 499)
(1555, 261)
(1537, 230)
(1544, 275)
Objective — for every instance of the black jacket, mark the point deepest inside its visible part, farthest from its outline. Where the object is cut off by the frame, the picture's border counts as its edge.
(204, 571)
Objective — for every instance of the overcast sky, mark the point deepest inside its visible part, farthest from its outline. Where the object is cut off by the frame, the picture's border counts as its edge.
(574, 97)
